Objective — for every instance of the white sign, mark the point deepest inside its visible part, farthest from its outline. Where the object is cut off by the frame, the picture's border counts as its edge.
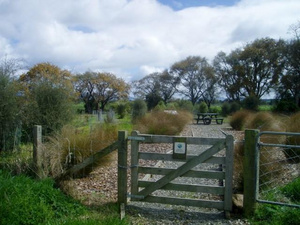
(179, 147)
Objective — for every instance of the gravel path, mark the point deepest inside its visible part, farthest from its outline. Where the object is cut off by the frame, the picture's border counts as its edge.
(152, 213)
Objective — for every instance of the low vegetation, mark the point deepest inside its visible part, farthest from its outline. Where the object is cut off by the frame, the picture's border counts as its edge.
(24, 200)
(163, 123)
(264, 121)
(293, 126)
(72, 145)
(274, 214)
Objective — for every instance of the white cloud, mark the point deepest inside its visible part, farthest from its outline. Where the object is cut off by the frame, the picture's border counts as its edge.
(134, 37)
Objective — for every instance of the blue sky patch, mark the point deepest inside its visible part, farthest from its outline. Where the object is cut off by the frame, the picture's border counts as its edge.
(182, 4)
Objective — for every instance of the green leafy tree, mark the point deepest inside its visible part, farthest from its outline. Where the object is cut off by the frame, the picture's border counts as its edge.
(289, 85)
(252, 70)
(99, 89)
(49, 95)
(156, 87)
(193, 73)
(168, 85)
(10, 112)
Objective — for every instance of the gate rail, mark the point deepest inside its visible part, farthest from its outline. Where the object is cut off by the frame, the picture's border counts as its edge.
(142, 190)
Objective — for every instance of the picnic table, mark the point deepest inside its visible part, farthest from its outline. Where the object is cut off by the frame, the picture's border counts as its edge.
(208, 117)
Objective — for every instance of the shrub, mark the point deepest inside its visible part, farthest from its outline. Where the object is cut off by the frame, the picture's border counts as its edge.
(162, 123)
(50, 106)
(293, 154)
(234, 107)
(139, 109)
(239, 119)
(251, 103)
(203, 108)
(225, 109)
(122, 109)
(285, 106)
(215, 109)
(160, 106)
(184, 105)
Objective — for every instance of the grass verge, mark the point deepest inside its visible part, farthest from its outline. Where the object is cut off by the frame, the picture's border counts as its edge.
(274, 214)
(27, 201)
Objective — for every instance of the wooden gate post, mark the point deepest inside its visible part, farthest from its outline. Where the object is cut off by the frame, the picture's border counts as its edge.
(250, 171)
(122, 171)
(37, 151)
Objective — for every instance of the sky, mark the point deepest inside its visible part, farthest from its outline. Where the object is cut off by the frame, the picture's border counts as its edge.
(133, 38)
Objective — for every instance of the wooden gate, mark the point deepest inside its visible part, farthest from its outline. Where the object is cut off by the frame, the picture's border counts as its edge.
(219, 152)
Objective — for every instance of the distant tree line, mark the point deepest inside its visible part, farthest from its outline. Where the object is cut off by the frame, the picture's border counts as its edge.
(46, 93)
(251, 71)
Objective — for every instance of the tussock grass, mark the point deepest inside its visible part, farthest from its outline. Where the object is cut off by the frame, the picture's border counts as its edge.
(264, 121)
(162, 123)
(238, 167)
(72, 145)
(239, 119)
(293, 154)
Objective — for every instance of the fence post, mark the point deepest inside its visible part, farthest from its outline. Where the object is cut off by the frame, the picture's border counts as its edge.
(122, 171)
(37, 150)
(250, 171)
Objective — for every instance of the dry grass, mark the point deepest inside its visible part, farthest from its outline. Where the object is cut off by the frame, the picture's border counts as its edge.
(293, 154)
(264, 121)
(72, 146)
(239, 119)
(238, 168)
(162, 123)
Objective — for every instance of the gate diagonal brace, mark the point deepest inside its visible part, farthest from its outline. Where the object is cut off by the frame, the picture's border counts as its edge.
(183, 169)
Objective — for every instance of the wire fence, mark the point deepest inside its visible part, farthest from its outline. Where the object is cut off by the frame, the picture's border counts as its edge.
(279, 168)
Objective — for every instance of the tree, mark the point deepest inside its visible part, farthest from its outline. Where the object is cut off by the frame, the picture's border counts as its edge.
(210, 93)
(49, 94)
(192, 73)
(98, 89)
(251, 71)
(9, 103)
(156, 87)
(289, 86)
(168, 85)
(148, 88)
(47, 72)
(228, 72)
